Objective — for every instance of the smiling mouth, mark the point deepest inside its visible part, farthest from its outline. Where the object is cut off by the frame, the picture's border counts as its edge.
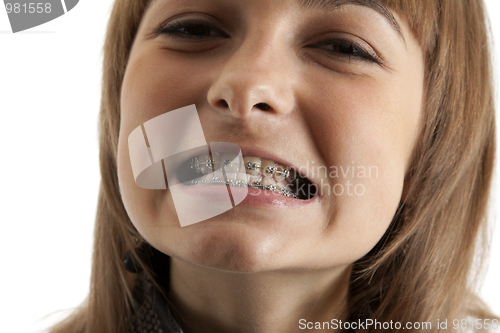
(259, 173)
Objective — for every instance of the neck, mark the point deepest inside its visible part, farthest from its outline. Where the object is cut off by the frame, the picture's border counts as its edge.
(211, 300)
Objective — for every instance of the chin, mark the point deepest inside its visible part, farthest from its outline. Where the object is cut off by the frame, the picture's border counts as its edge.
(233, 249)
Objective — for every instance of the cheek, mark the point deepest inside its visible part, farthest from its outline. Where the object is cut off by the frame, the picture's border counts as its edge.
(141, 204)
(149, 90)
(365, 131)
(155, 83)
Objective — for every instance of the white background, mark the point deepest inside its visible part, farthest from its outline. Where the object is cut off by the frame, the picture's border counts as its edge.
(49, 102)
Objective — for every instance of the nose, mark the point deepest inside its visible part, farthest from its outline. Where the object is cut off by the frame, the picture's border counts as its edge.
(254, 77)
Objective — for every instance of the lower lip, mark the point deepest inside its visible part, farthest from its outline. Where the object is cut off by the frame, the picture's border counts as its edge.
(255, 197)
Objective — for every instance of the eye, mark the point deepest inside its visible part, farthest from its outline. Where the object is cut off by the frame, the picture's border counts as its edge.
(346, 49)
(191, 30)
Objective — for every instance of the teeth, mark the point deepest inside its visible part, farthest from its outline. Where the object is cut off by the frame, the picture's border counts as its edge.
(262, 174)
(280, 173)
(252, 165)
(216, 160)
(292, 175)
(231, 176)
(236, 176)
(207, 178)
(205, 164)
(231, 162)
(280, 186)
(254, 179)
(268, 168)
(266, 181)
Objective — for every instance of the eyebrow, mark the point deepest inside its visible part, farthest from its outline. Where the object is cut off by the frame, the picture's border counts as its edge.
(336, 4)
(373, 4)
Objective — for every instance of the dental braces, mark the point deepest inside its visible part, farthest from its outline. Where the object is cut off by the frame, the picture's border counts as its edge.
(268, 170)
(241, 183)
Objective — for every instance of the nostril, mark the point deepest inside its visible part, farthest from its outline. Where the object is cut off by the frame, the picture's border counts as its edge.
(222, 103)
(263, 106)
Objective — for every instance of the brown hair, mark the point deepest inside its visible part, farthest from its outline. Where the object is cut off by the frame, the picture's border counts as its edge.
(421, 269)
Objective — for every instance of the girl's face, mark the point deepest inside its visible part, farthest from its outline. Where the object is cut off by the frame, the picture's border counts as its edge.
(343, 84)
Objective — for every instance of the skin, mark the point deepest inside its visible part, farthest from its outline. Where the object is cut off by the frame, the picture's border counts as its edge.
(261, 269)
